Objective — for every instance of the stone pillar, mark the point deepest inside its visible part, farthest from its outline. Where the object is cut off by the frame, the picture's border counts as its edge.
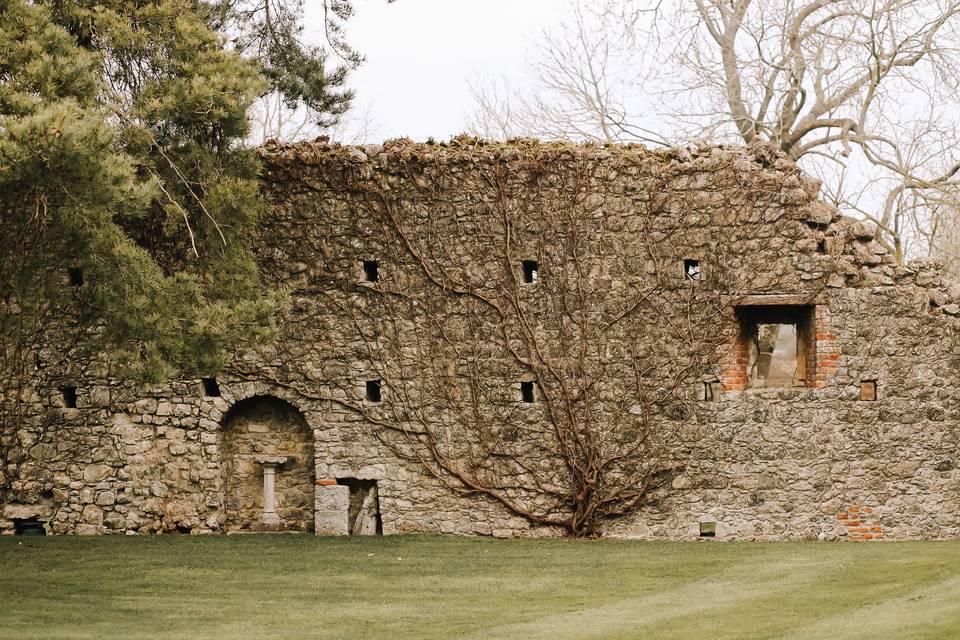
(270, 516)
(270, 520)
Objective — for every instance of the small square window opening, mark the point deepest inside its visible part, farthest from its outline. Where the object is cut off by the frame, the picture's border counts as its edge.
(691, 269)
(526, 392)
(75, 276)
(28, 527)
(373, 391)
(708, 529)
(211, 388)
(69, 397)
(530, 271)
(711, 391)
(371, 270)
(868, 390)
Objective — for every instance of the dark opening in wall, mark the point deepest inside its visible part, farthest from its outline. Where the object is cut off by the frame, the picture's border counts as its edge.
(779, 341)
(691, 269)
(373, 391)
(75, 276)
(708, 529)
(211, 388)
(363, 517)
(822, 246)
(711, 391)
(868, 390)
(28, 527)
(530, 271)
(371, 270)
(69, 397)
(526, 392)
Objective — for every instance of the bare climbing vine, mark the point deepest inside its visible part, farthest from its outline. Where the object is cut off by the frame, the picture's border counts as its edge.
(614, 336)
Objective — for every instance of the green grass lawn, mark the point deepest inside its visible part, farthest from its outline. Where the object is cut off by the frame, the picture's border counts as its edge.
(292, 586)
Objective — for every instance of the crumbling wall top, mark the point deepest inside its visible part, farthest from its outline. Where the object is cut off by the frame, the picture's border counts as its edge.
(862, 259)
(762, 162)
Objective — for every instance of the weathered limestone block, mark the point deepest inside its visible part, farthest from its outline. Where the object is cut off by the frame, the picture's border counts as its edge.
(25, 511)
(96, 473)
(92, 515)
(332, 510)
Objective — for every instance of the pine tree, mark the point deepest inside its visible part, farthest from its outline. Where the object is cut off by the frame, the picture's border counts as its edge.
(120, 163)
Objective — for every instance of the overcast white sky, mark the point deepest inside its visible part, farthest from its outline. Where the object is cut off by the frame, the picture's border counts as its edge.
(420, 54)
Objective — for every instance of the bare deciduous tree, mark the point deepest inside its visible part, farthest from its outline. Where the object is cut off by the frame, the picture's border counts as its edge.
(273, 119)
(306, 83)
(862, 93)
(584, 81)
(584, 74)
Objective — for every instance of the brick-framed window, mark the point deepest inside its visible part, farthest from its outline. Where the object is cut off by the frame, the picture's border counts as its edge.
(780, 341)
(780, 345)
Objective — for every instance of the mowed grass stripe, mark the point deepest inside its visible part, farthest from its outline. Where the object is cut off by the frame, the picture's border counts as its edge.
(708, 597)
(436, 587)
(929, 612)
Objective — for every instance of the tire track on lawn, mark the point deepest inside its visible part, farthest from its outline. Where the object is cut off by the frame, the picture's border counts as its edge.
(748, 580)
(895, 618)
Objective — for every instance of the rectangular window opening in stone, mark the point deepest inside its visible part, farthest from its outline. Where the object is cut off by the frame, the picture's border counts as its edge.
(28, 527)
(868, 390)
(371, 270)
(530, 271)
(69, 397)
(711, 391)
(822, 247)
(526, 392)
(778, 342)
(75, 276)
(708, 529)
(691, 269)
(363, 517)
(211, 388)
(373, 390)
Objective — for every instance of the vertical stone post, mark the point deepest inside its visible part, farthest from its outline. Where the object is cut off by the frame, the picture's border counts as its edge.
(270, 520)
(269, 498)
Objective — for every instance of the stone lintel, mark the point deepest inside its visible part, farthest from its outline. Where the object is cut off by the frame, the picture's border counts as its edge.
(777, 299)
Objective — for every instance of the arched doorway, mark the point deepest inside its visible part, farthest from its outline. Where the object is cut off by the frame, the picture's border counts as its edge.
(266, 435)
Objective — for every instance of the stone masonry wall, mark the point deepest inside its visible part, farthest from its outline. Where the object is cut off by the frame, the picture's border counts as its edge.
(812, 461)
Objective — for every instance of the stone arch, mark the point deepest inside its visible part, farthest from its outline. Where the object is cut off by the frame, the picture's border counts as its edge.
(235, 392)
(259, 431)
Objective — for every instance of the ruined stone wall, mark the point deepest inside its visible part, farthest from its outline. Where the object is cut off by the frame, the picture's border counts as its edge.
(610, 229)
